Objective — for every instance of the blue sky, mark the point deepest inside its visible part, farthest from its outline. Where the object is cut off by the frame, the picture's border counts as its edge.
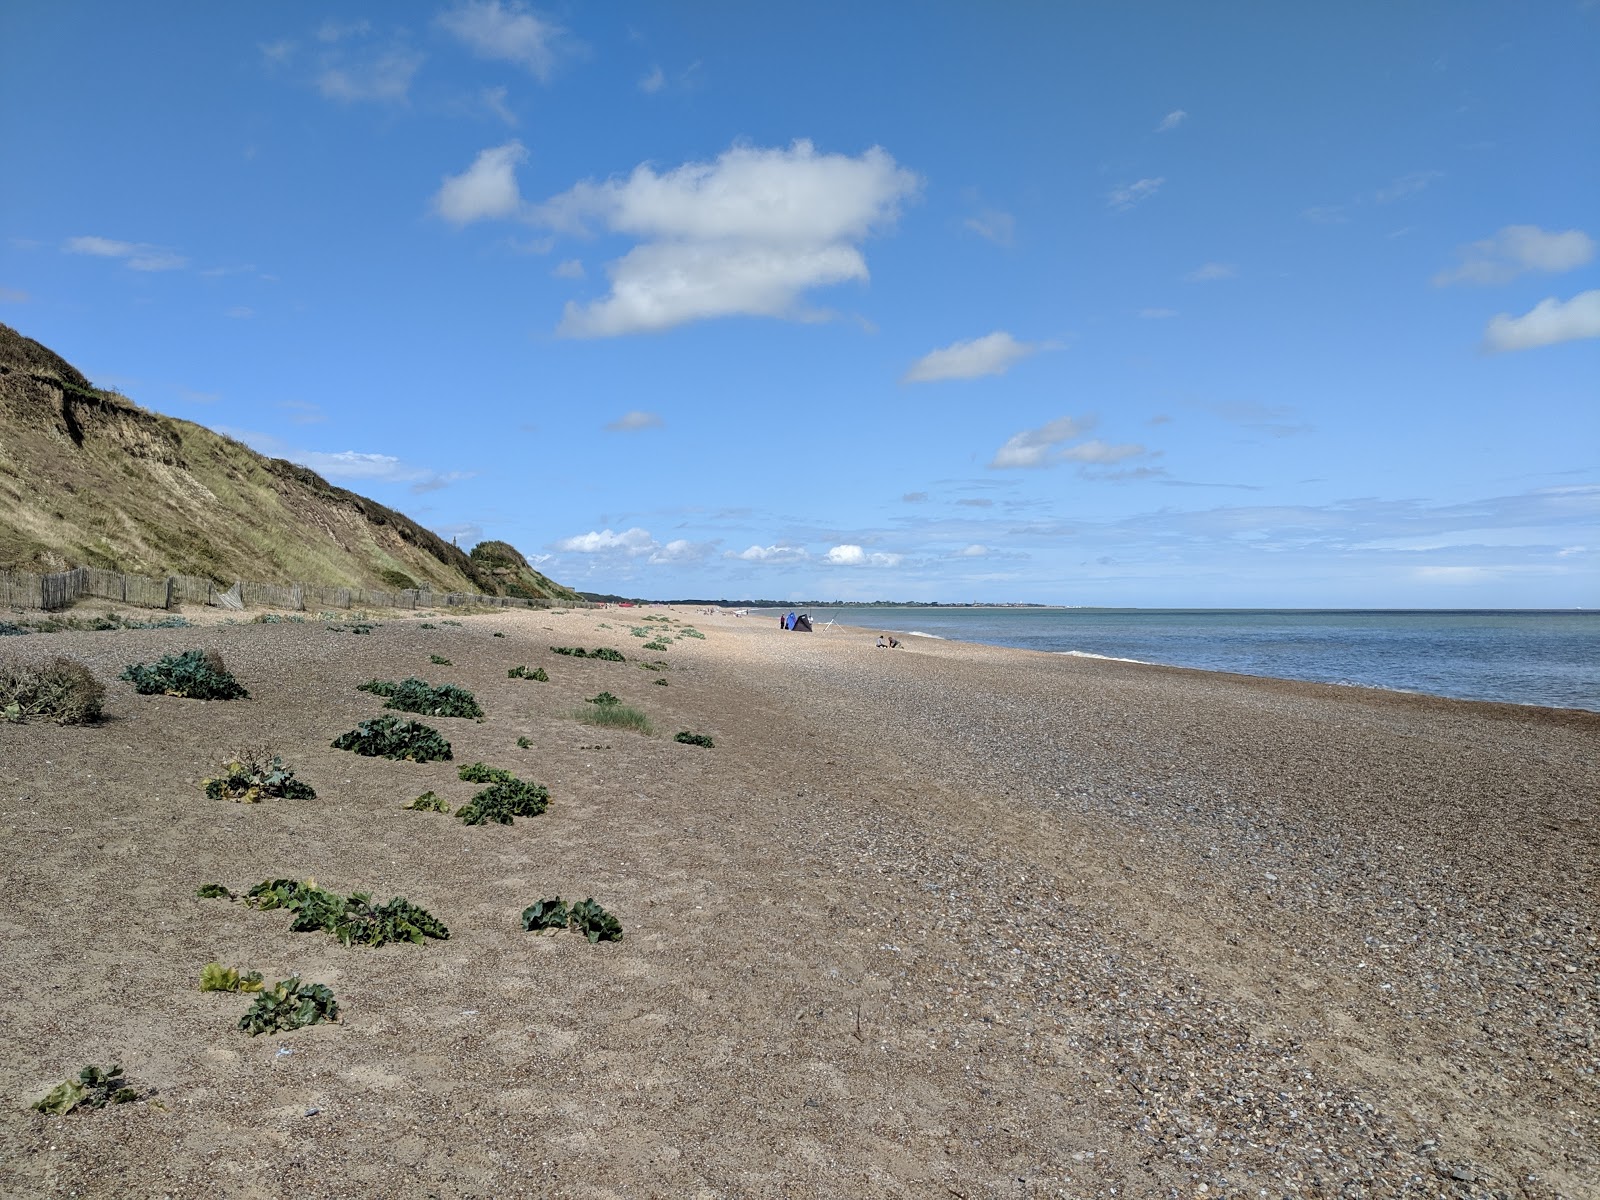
(1082, 303)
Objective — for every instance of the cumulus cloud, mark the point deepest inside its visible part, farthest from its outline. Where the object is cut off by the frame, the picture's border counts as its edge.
(993, 225)
(992, 354)
(506, 32)
(746, 235)
(1037, 447)
(1517, 250)
(1212, 271)
(1130, 194)
(488, 188)
(631, 421)
(776, 553)
(137, 256)
(849, 555)
(632, 542)
(1547, 323)
(1172, 120)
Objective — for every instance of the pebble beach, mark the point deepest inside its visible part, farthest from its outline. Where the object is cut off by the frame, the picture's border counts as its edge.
(943, 920)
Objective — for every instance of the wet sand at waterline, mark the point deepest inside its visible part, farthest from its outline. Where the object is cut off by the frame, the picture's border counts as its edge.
(946, 920)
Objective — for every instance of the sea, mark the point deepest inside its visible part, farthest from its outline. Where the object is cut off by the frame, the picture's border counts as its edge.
(1547, 658)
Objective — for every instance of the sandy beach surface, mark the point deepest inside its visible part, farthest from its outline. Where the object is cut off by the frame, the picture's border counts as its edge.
(941, 921)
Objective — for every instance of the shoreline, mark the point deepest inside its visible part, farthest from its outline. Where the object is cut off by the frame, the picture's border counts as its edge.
(931, 920)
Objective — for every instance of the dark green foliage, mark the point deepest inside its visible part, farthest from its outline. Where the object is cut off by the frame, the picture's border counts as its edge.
(545, 914)
(398, 580)
(503, 800)
(290, 1004)
(59, 689)
(693, 739)
(659, 682)
(93, 1088)
(213, 891)
(570, 651)
(428, 802)
(457, 624)
(687, 632)
(604, 698)
(524, 744)
(497, 633)
(277, 619)
(418, 696)
(214, 977)
(538, 673)
(390, 737)
(11, 629)
(252, 776)
(440, 660)
(604, 653)
(641, 633)
(656, 646)
(427, 625)
(353, 919)
(594, 922)
(482, 773)
(58, 624)
(194, 674)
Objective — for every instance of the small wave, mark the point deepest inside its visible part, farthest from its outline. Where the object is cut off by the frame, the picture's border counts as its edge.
(919, 633)
(1105, 657)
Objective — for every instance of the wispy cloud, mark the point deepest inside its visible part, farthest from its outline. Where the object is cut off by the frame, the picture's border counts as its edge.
(348, 466)
(137, 256)
(633, 421)
(508, 32)
(1549, 322)
(1172, 120)
(993, 354)
(303, 412)
(1517, 250)
(494, 99)
(13, 296)
(1277, 420)
(382, 75)
(1047, 446)
(570, 268)
(1130, 194)
(653, 81)
(993, 225)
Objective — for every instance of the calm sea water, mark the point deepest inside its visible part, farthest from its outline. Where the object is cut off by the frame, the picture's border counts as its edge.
(1547, 658)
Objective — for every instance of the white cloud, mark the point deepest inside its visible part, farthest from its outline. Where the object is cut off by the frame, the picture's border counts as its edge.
(488, 188)
(1037, 447)
(1518, 249)
(138, 256)
(848, 555)
(992, 354)
(1172, 120)
(654, 81)
(682, 550)
(1096, 451)
(635, 420)
(1549, 322)
(384, 76)
(744, 235)
(507, 32)
(769, 554)
(1212, 271)
(994, 225)
(632, 542)
(973, 551)
(1130, 194)
(571, 268)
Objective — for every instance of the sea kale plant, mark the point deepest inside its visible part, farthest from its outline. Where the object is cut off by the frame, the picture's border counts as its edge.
(353, 919)
(289, 1004)
(428, 802)
(587, 917)
(214, 977)
(194, 674)
(252, 776)
(505, 799)
(418, 696)
(93, 1088)
(693, 739)
(390, 737)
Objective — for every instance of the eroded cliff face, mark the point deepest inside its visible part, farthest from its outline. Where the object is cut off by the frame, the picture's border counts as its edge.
(87, 477)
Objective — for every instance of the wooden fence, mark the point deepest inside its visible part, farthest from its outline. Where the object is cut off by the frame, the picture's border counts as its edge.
(51, 592)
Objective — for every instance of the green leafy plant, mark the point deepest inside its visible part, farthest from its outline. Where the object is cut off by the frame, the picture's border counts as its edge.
(505, 799)
(538, 673)
(524, 744)
(483, 773)
(603, 699)
(604, 653)
(545, 914)
(457, 624)
(497, 633)
(428, 802)
(427, 625)
(289, 1004)
(59, 689)
(659, 682)
(687, 632)
(12, 629)
(93, 1088)
(214, 977)
(656, 646)
(693, 739)
(440, 660)
(641, 633)
(353, 919)
(587, 917)
(194, 674)
(613, 716)
(256, 775)
(570, 651)
(418, 696)
(213, 891)
(390, 737)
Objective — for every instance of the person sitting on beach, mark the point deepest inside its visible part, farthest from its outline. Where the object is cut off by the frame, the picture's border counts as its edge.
(894, 643)
(883, 643)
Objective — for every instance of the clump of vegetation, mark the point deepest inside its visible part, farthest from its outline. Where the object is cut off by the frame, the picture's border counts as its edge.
(604, 653)
(497, 633)
(483, 773)
(353, 919)
(613, 716)
(59, 689)
(427, 625)
(93, 1088)
(587, 917)
(641, 633)
(194, 674)
(457, 624)
(659, 682)
(95, 624)
(418, 696)
(440, 660)
(524, 744)
(12, 629)
(277, 619)
(656, 646)
(690, 632)
(428, 802)
(256, 775)
(214, 977)
(692, 739)
(290, 1004)
(504, 800)
(603, 699)
(390, 737)
(537, 674)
